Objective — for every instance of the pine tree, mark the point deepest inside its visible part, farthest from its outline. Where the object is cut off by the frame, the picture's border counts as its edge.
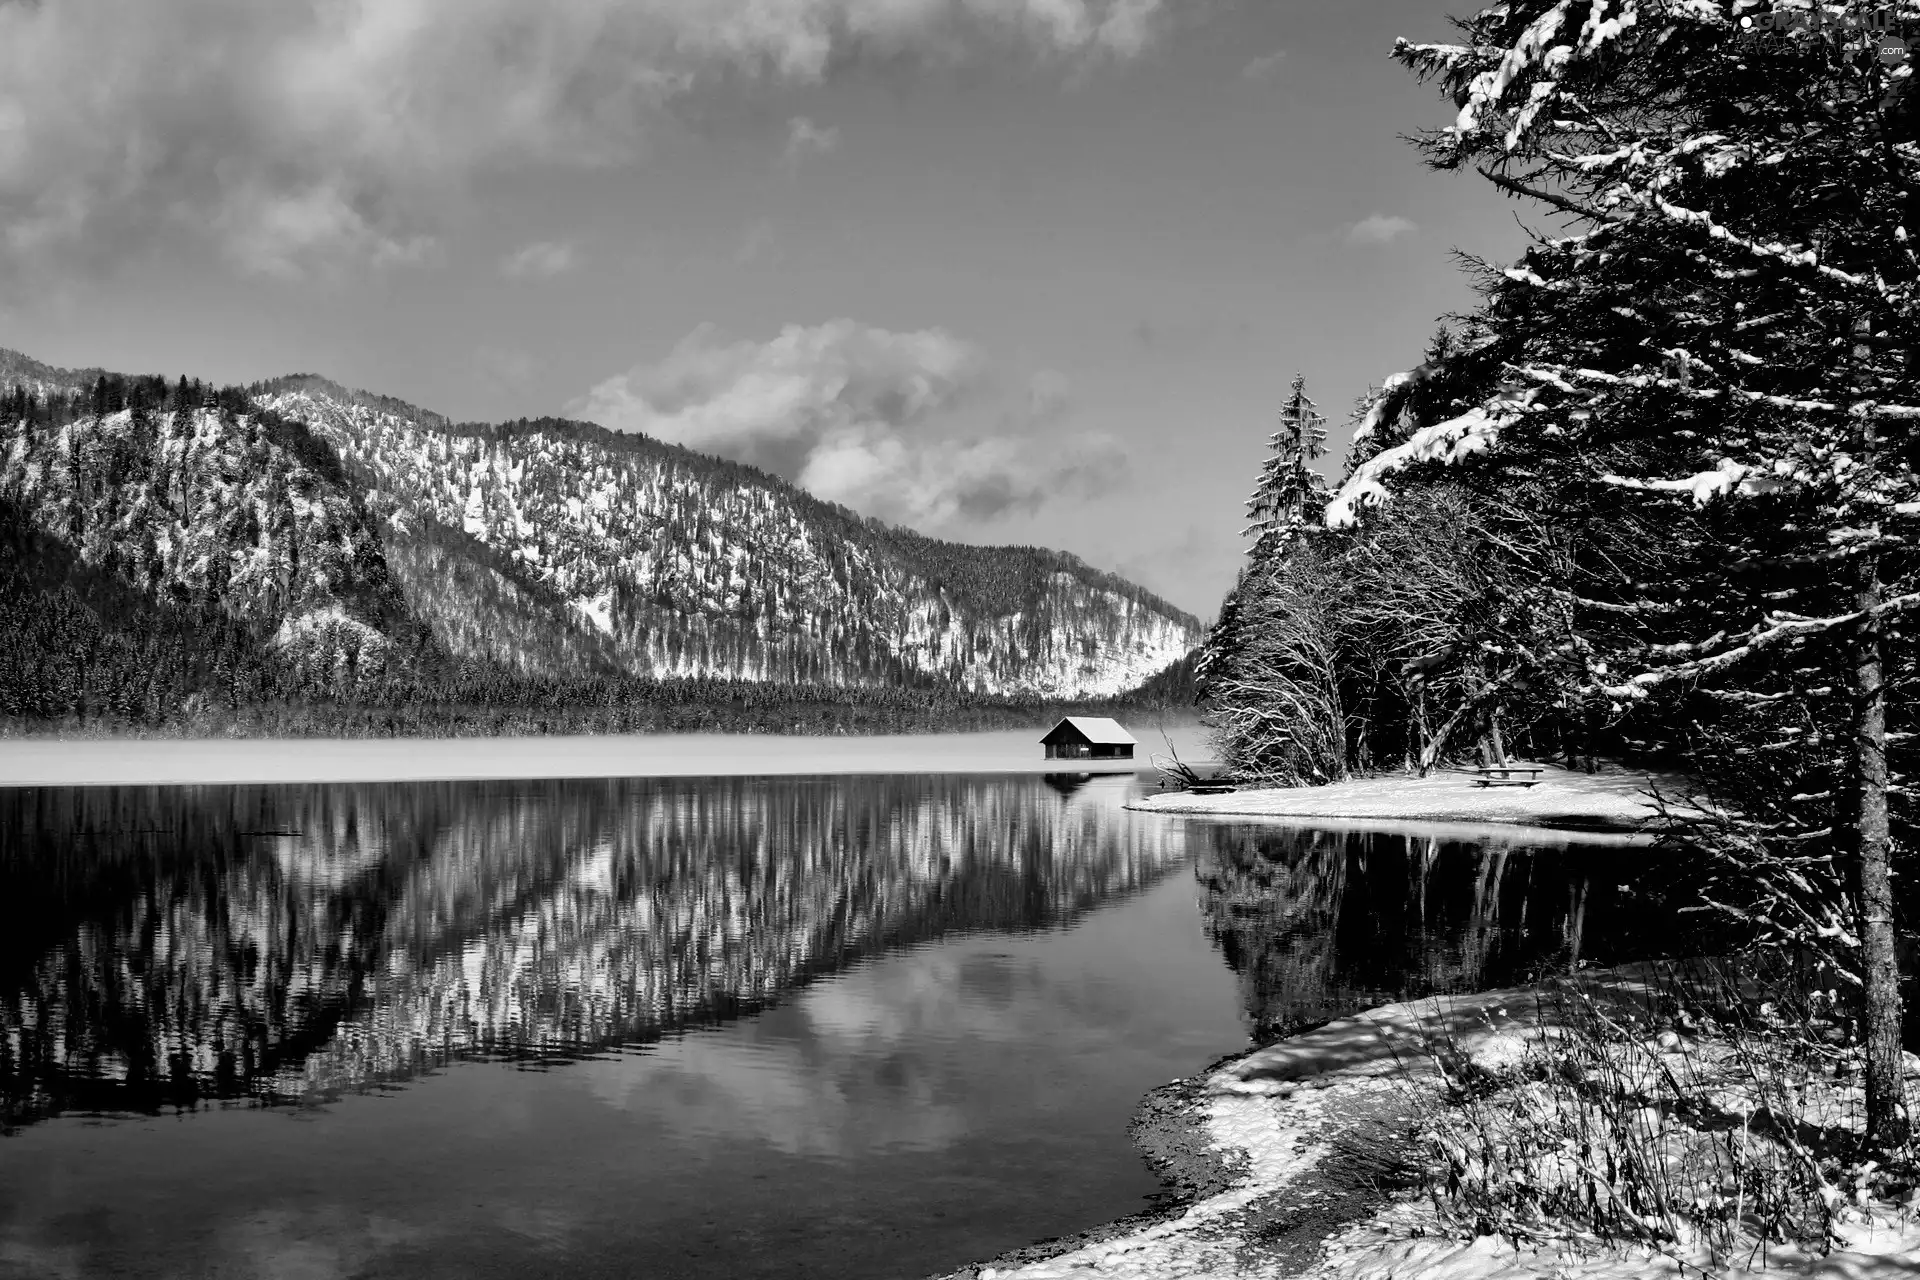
(1290, 495)
(1682, 394)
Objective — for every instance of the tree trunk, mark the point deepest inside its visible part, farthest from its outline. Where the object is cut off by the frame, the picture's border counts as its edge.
(1438, 742)
(1417, 755)
(1880, 970)
(1587, 731)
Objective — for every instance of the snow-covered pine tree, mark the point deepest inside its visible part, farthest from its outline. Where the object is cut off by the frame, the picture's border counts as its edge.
(1685, 398)
(1289, 497)
(1269, 673)
(1217, 647)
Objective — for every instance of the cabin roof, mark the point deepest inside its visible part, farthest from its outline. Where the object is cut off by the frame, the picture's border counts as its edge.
(1098, 729)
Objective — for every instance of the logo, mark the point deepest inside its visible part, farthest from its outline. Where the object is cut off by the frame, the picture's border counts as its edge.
(1879, 30)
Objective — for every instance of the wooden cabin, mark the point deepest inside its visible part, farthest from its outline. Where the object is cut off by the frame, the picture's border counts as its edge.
(1088, 738)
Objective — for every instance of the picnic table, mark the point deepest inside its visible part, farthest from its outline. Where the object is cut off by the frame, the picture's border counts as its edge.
(1502, 775)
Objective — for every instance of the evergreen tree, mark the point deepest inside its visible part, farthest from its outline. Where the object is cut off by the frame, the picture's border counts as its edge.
(1290, 495)
(1705, 389)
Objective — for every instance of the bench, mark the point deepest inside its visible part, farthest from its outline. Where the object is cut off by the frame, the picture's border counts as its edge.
(1501, 775)
(1212, 787)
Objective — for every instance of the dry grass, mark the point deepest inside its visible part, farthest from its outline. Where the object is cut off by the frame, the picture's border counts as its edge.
(1707, 1123)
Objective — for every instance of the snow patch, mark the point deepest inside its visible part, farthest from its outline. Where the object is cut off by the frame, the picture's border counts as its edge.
(1705, 486)
(1446, 442)
(1377, 410)
(328, 622)
(598, 610)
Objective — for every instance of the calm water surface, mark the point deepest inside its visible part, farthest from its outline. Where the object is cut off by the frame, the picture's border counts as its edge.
(860, 1026)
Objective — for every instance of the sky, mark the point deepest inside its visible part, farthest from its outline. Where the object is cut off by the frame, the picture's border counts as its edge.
(1005, 271)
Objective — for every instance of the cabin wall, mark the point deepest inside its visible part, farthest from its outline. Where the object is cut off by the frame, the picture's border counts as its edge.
(1089, 751)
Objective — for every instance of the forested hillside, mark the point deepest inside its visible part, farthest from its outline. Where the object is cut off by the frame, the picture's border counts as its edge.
(299, 558)
(555, 547)
(202, 505)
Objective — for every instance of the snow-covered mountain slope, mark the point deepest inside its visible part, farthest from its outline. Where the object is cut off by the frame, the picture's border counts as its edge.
(40, 379)
(341, 529)
(234, 513)
(558, 548)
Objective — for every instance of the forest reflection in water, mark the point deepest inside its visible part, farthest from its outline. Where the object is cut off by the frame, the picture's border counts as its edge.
(160, 947)
(165, 946)
(927, 1006)
(1320, 924)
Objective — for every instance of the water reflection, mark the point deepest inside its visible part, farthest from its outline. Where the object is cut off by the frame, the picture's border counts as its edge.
(891, 1109)
(1321, 924)
(162, 947)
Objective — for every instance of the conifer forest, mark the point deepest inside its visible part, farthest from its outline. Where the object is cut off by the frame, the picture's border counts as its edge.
(1654, 497)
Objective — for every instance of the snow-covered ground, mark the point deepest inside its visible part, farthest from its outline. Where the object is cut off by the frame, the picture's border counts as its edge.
(40, 762)
(1278, 1112)
(1614, 799)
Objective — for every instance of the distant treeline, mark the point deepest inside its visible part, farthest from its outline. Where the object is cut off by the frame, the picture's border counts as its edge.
(119, 695)
(84, 652)
(782, 709)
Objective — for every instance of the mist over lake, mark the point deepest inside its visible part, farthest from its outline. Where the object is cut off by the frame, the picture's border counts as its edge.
(92, 761)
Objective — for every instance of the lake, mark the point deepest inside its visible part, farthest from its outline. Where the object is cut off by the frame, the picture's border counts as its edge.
(773, 1026)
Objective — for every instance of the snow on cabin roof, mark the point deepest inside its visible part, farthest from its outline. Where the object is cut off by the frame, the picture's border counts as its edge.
(1098, 729)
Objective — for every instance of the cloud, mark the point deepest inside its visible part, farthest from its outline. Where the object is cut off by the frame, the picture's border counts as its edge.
(847, 411)
(949, 482)
(296, 133)
(771, 403)
(313, 1242)
(1265, 65)
(292, 234)
(755, 243)
(1049, 396)
(1379, 228)
(811, 1091)
(541, 260)
(805, 138)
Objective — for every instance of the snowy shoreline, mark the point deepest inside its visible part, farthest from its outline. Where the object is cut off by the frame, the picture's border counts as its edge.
(1613, 801)
(55, 762)
(1269, 1188)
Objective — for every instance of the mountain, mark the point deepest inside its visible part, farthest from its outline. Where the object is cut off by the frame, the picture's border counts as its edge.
(39, 379)
(208, 508)
(554, 547)
(355, 537)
